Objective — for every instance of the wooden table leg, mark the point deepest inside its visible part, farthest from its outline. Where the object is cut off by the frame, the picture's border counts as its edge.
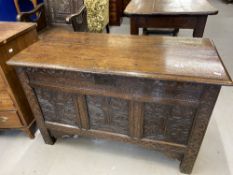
(134, 29)
(176, 31)
(200, 26)
(145, 31)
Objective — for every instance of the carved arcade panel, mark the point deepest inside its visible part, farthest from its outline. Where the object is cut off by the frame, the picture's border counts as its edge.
(170, 123)
(108, 114)
(58, 106)
(168, 107)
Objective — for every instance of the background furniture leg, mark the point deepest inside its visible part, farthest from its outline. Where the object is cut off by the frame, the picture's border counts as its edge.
(176, 31)
(134, 30)
(107, 28)
(200, 27)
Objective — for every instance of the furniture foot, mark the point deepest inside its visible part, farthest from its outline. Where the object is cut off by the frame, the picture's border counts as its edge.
(176, 31)
(49, 138)
(145, 31)
(51, 141)
(134, 29)
(30, 131)
(186, 165)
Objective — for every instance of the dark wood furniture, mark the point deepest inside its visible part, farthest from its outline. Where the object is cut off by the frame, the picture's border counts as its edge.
(116, 10)
(56, 13)
(169, 14)
(157, 92)
(14, 108)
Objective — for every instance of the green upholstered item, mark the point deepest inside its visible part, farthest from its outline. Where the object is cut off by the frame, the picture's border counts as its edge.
(97, 14)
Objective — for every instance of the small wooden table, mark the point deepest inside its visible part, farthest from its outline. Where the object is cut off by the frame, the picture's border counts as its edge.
(157, 92)
(15, 112)
(187, 14)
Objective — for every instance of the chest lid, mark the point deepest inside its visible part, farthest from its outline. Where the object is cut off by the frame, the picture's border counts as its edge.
(164, 58)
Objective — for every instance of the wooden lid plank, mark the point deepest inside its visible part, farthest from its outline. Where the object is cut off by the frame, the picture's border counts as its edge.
(170, 7)
(166, 58)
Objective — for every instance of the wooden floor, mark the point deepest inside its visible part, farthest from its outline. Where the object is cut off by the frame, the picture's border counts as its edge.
(22, 156)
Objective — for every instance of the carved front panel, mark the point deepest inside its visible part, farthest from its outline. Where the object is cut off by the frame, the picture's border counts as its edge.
(108, 114)
(58, 106)
(168, 107)
(170, 123)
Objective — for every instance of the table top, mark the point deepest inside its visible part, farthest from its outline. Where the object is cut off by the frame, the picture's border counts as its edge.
(9, 30)
(154, 57)
(170, 7)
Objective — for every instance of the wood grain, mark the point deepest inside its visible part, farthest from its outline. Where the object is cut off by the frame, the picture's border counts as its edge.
(6, 102)
(9, 119)
(136, 117)
(170, 7)
(15, 37)
(81, 104)
(11, 30)
(184, 14)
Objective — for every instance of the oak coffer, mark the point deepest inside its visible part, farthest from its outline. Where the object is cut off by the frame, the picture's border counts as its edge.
(158, 92)
(15, 111)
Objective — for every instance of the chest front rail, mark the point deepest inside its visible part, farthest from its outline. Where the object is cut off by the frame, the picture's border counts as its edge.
(168, 116)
